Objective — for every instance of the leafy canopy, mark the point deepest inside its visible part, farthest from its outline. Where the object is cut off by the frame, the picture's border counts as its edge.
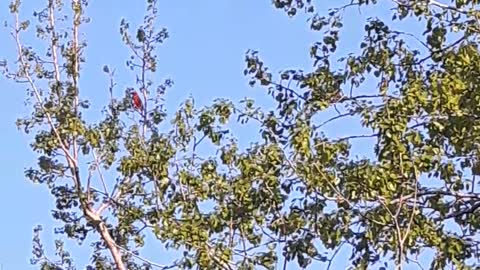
(296, 195)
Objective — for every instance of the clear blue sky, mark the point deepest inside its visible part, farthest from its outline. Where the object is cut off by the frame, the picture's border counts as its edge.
(205, 58)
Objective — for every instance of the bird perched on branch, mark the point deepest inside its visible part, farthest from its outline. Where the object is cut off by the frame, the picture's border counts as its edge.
(137, 102)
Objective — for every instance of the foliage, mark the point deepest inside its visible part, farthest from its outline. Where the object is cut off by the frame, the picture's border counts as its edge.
(297, 194)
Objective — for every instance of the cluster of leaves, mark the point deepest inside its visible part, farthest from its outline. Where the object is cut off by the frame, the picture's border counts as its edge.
(275, 201)
(424, 120)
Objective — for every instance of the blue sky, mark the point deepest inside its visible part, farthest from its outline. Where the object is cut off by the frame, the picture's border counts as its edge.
(204, 57)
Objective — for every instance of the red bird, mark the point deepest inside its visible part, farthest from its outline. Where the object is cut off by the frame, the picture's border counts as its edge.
(137, 102)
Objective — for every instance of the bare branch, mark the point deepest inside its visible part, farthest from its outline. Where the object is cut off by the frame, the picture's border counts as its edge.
(53, 38)
(100, 173)
(25, 72)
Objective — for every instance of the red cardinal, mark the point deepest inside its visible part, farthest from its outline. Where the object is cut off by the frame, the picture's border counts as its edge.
(137, 102)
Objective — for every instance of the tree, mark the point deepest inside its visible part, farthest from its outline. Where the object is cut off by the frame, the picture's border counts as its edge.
(297, 194)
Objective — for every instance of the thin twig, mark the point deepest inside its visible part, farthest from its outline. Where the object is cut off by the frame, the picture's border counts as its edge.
(333, 255)
(149, 262)
(89, 178)
(77, 7)
(414, 205)
(100, 173)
